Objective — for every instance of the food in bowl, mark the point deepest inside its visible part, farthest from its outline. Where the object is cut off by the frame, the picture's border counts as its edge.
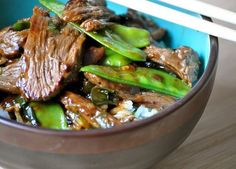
(88, 68)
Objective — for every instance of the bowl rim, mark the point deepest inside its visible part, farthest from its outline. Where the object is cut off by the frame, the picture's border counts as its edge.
(212, 63)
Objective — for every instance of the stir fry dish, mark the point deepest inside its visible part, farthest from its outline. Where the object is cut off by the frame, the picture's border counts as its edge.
(87, 68)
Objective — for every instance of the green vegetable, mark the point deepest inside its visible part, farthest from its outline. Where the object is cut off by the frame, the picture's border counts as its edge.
(101, 96)
(49, 115)
(114, 59)
(137, 37)
(21, 25)
(87, 86)
(147, 78)
(111, 37)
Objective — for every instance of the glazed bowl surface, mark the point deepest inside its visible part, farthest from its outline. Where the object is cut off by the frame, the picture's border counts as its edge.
(138, 145)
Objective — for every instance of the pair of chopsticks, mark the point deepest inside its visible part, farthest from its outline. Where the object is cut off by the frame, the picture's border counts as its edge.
(186, 20)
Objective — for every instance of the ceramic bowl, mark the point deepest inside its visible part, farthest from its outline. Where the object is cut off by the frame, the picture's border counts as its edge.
(138, 145)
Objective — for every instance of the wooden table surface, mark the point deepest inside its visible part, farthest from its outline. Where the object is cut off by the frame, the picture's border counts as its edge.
(212, 144)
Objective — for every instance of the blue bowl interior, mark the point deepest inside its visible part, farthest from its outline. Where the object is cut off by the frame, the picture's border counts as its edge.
(178, 35)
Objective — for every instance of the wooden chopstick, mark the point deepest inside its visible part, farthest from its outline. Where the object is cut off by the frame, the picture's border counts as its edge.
(204, 9)
(178, 17)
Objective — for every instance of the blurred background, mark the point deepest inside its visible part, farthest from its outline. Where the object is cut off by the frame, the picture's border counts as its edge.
(212, 144)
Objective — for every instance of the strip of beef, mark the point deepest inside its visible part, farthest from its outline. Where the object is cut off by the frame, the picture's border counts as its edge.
(149, 99)
(50, 59)
(183, 61)
(9, 76)
(103, 83)
(91, 14)
(93, 55)
(11, 42)
(134, 19)
(95, 116)
(13, 109)
(3, 60)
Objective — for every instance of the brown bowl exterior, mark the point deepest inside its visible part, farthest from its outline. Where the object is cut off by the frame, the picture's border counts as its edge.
(138, 145)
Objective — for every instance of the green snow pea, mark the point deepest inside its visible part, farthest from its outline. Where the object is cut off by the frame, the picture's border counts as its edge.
(49, 115)
(137, 37)
(147, 78)
(125, 44)
(114, 59)
(21, 25)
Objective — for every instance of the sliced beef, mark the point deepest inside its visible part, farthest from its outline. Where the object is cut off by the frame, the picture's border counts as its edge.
(135, 19)
(49, 58)
(3, 60)
(93, 55)
(12, 109)
(103, 83)
(11, 42)
(149, 99)
(9, 76)
(91, 14)
(183, 61)
(154, 100)
(93, 115)
(97, 2)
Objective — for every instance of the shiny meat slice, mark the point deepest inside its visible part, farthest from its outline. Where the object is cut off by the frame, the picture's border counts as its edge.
(49, 58)
(183, 61)
(103, 83)
(95, 116)
(11, 42)
(93, 55)
(3, 60)
(97, 2)
(149, 99)
(154, 100)
(13, 109)
(90, 14)
(9, 76)
(134, 19)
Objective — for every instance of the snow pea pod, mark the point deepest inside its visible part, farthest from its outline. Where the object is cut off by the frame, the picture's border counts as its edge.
(114, 59)
(137, 37)
(49, 115)
(124, 43)
(147, 78)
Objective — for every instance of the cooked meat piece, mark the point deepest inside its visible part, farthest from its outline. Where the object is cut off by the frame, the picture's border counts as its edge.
(93, 24)
(13, 109)
(9, 76)
(11, 42)
(154, 100)
(149, 99)
(95, 116)
(49, 58)
(3, 60)
(103, 83)
(91, 14)
(184, 61)
(134, 19)
(93, 55)
(97, 2)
